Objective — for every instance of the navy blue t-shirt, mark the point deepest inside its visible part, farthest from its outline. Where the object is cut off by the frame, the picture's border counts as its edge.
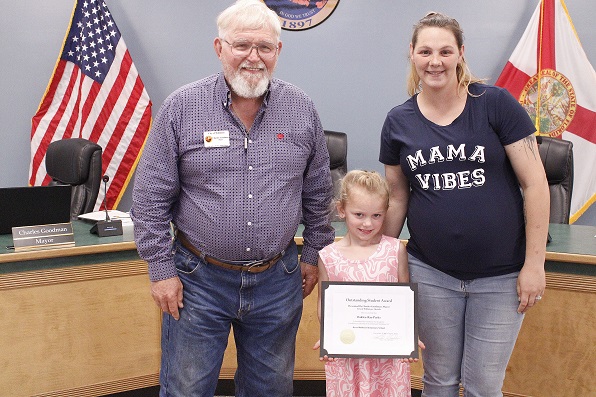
(465, 214)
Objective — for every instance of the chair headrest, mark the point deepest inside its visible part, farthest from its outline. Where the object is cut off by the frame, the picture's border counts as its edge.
(557, 158)
(337, 145)
(68, 160)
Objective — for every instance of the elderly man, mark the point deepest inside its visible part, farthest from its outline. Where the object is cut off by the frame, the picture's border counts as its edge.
(233, 164)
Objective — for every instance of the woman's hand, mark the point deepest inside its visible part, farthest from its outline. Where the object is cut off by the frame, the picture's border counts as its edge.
(531, 284)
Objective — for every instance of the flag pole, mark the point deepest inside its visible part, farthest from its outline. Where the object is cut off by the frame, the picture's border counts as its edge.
(539, 69)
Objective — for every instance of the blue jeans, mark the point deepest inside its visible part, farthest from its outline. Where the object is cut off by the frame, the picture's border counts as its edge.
(469, 329)
(264, 310)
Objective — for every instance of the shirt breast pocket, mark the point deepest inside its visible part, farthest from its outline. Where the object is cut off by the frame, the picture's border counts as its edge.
(289, 157)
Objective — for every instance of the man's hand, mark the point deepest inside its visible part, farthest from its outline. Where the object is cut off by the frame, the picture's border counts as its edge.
(310, 276)
(167, 294)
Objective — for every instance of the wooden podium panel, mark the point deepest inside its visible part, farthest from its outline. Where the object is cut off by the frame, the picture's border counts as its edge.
(84, 331)
(555, 353)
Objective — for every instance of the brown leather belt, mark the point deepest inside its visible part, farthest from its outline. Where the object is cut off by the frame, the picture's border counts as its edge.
(249, 266)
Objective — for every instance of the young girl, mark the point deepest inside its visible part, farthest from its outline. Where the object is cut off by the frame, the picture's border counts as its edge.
(364, 254)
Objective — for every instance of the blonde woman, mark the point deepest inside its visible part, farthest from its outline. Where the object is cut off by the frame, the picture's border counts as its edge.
(456, 155)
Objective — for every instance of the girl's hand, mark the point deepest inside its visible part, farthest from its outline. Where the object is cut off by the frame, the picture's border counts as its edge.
(411, 360)
(324, 358)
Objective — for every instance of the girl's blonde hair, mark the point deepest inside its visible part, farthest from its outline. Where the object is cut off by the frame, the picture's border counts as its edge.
(371, 181)
(438, 20)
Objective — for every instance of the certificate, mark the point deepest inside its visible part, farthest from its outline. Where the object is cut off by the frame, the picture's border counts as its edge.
(362, 319)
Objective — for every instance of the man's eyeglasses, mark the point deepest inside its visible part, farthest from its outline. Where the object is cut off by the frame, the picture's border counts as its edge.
(244, 48)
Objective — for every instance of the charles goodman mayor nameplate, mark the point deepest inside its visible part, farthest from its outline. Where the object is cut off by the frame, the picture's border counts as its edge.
(376, 320)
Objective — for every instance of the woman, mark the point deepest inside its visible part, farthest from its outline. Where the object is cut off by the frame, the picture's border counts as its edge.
(456, 155)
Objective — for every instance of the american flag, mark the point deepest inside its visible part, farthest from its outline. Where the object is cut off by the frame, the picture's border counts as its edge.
(95, 93)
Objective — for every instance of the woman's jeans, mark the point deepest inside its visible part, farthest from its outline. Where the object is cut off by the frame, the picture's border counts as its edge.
(469, 329)
(264, 310)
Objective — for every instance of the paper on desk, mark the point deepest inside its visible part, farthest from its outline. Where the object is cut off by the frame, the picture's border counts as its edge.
(101, 215)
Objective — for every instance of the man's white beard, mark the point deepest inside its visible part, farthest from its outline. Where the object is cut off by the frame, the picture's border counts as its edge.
(245, 88)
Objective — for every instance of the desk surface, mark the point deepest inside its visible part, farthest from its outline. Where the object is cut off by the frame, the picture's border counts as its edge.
(576, 240)
(575, 244)
(87, 247)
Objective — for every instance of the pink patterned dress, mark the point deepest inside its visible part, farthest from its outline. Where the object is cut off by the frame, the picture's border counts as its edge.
(365, 377)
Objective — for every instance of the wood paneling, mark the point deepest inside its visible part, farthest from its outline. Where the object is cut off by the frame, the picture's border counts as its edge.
(78, 331)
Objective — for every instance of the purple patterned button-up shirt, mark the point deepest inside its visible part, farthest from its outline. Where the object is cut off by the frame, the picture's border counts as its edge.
(243, 197)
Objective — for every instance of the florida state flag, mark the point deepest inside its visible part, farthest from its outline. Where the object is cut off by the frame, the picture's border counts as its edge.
(553, 79)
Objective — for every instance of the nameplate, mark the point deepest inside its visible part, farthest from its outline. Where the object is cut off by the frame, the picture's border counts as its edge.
(57, 235)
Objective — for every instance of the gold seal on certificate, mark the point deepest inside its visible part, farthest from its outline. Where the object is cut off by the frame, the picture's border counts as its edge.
(364, 319)
(347, 336)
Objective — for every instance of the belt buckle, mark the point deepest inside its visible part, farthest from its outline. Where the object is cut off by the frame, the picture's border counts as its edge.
(255, 263)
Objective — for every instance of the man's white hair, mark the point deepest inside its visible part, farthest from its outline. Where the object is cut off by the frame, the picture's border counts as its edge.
(248, 15)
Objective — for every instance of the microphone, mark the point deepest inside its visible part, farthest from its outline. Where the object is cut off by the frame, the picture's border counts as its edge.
(108, 227)
(105, 179)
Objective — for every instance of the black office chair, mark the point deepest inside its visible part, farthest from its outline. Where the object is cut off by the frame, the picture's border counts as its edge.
(557, 158)
(337, 145)
(76, 162)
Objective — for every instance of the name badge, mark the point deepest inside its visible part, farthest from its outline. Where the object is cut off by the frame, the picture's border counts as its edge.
(216, 138)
